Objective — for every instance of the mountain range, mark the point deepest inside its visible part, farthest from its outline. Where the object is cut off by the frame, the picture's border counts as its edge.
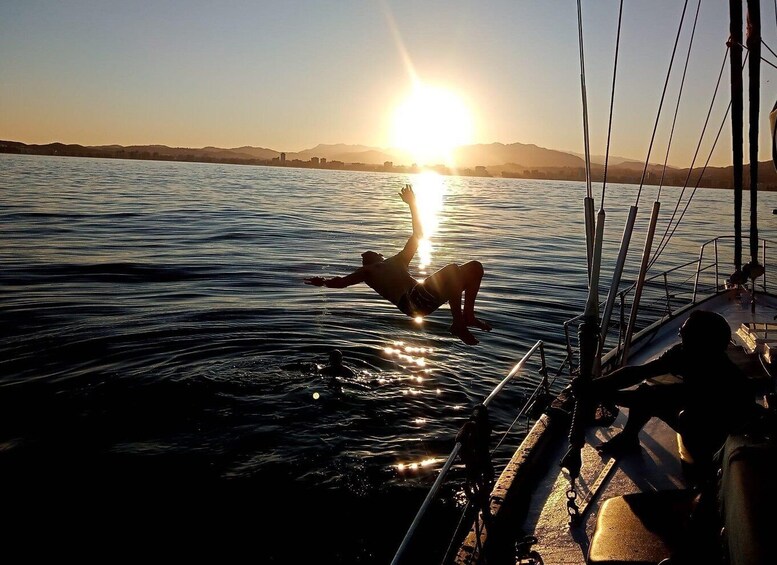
(493, 159)
(527, 156)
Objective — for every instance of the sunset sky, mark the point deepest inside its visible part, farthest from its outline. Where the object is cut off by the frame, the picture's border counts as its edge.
(291, 74)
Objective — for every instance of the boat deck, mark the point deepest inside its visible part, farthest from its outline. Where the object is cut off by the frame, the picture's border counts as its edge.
(656, 467)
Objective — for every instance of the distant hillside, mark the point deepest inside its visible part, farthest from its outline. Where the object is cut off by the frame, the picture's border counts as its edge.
(257, 152)
(469, 156)
(527, 156)
(515, 160)
(519, 155)
(613, 160)
(344, 153)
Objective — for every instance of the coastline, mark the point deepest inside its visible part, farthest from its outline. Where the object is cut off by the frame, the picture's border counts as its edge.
(713, 177)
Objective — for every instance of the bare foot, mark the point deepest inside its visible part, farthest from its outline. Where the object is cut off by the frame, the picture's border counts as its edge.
(474, 322)
(461, 332)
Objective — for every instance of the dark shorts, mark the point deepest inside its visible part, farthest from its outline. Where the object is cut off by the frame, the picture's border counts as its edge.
(419, 301)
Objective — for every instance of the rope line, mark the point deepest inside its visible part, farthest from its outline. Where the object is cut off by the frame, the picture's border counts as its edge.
(760, 57)
(663, 95)
(768, 62)
(612, 103)
(693, 161)
(585, 101)
(679, 98)
(769, 48)
(701, 175)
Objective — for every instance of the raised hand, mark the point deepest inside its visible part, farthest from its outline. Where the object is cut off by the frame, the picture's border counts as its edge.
(407, 194)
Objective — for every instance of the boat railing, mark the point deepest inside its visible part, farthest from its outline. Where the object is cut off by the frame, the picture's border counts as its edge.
(541, 389)
(673, 288)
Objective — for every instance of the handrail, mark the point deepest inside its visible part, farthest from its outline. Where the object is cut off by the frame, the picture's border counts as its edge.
(695, 268)
(454, 452)
(518, 366)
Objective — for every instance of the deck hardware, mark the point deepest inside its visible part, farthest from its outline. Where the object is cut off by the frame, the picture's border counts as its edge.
(572, 509)
(524, 554)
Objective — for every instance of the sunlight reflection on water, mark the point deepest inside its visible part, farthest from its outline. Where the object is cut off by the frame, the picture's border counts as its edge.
(430, 189)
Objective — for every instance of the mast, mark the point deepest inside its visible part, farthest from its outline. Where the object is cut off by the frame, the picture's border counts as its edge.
(754, 68)
(735, 44)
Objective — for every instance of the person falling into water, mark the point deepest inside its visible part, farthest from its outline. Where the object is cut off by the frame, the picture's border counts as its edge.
(390, 278)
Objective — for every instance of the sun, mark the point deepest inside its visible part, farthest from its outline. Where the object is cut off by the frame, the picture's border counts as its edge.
(430, 123)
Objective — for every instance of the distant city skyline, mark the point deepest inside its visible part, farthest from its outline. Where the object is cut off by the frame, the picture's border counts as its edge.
(292, 75)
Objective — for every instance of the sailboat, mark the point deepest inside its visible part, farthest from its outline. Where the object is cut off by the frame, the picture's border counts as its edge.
(559, 500)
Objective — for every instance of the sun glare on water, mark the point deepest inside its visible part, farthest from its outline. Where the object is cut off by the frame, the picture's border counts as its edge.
(429, 188)
(430, 124)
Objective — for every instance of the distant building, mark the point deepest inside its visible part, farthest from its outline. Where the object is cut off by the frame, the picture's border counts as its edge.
(388, 164)
(283, 158)
(323, 160)
(314, 160)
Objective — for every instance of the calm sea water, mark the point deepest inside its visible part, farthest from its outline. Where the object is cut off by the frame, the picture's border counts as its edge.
(157, 332)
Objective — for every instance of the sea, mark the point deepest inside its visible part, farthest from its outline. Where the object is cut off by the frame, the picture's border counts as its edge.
(160, 352)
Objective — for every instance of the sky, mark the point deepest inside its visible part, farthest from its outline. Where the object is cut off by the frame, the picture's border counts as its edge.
(288, 75)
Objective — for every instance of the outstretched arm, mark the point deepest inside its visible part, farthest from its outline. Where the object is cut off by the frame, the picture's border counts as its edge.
(629, 376)
(338, 282)
(408, 196)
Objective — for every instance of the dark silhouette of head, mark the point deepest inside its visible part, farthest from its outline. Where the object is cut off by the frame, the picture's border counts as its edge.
(705, 331)
(370, 258)
(336, 358)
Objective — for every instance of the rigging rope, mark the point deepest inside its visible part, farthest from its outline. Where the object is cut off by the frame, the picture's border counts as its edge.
(698, 182)
(679, 98)
(612, 102)
(769, 62)
(664, 239)
(663, 95)
(770, 51)
(761, 57)
(585, 101)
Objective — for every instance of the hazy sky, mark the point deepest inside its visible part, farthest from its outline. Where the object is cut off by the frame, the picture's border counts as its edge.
(290, 74)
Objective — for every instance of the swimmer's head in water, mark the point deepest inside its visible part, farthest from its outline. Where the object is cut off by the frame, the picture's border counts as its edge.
(705, 331)
(335, 358)
(370, 258)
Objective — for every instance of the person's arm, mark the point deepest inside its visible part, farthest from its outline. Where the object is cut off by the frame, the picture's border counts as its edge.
(338, 282)
(407, 253)
(629, 376)
(408, 196)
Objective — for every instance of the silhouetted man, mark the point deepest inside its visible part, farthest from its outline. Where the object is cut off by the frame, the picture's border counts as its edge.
(390, 278)
(711, 399)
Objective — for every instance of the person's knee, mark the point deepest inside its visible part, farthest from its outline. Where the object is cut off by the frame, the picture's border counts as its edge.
(474, 269)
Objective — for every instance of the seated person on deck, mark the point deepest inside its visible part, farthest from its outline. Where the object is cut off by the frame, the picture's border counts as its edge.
(711, 400)
(390, 278)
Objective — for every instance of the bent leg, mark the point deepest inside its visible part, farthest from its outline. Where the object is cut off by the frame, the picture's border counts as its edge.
(663, 401)
(447, 283)
(472, 274)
